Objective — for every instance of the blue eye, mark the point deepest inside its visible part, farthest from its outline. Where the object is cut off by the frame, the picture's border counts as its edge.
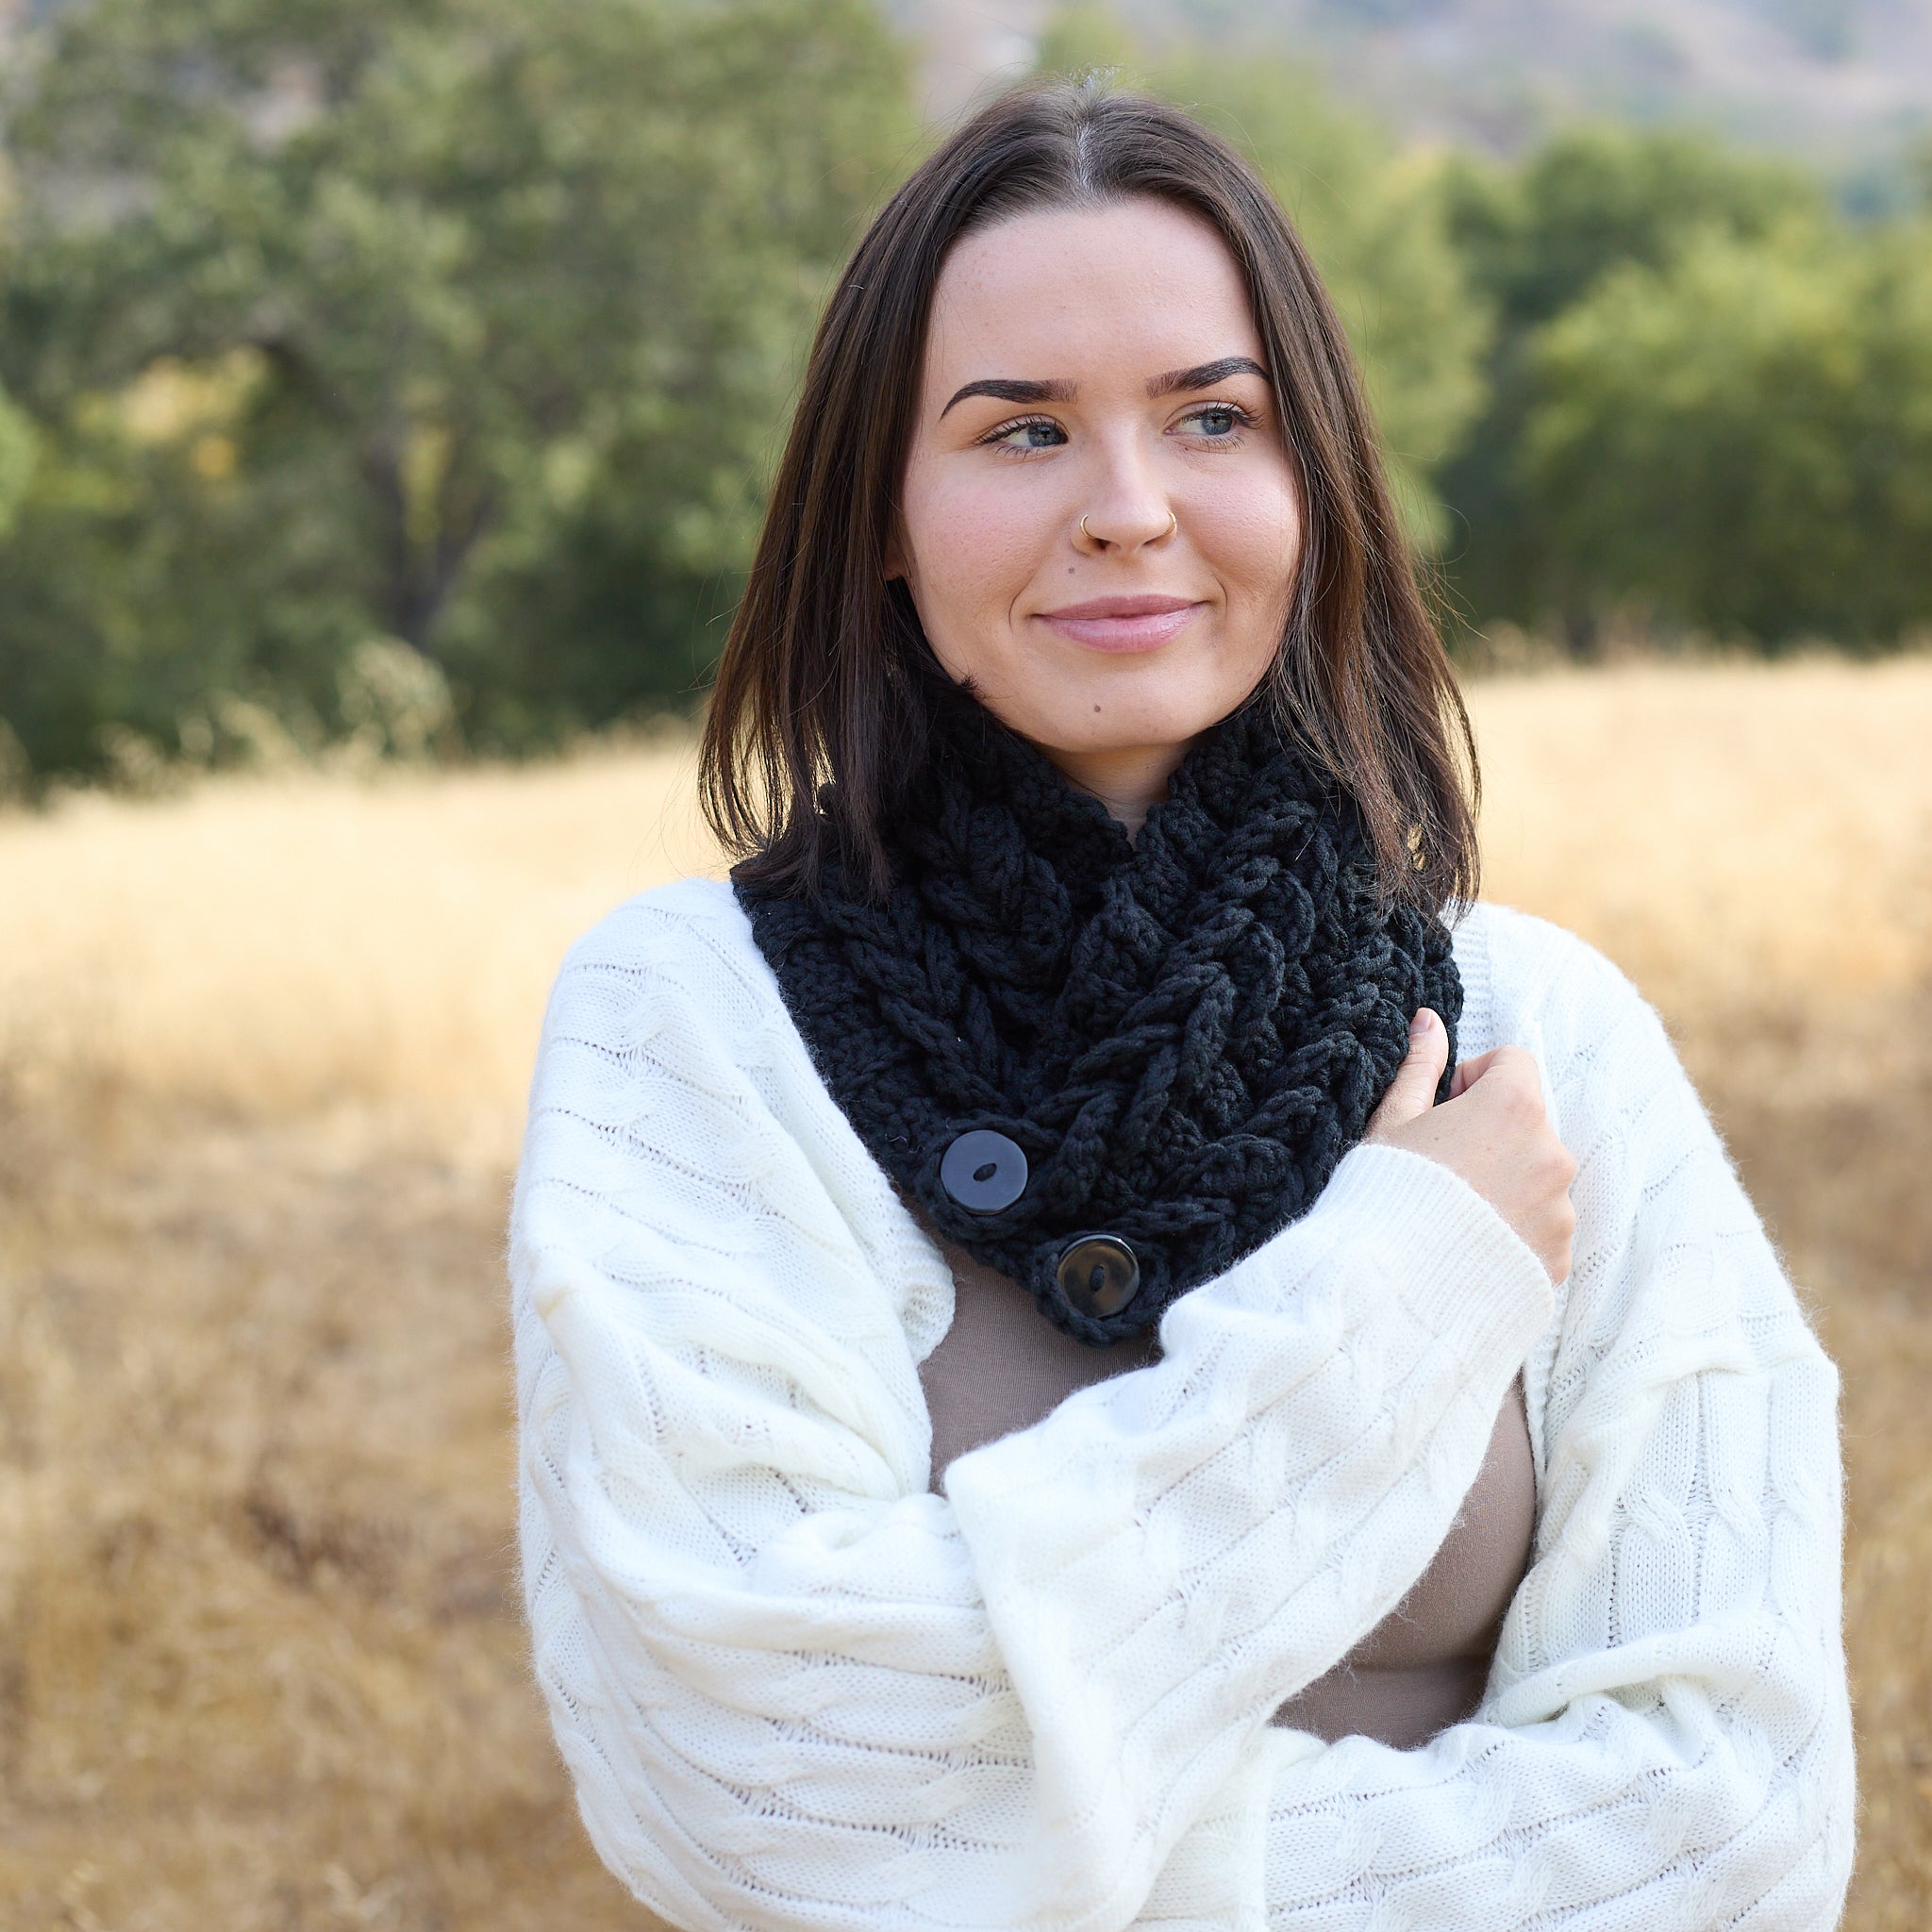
(1038, 432)
(1219, 419)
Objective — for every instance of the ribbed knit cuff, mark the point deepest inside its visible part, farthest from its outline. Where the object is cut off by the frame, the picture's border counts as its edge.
(1456, 1265)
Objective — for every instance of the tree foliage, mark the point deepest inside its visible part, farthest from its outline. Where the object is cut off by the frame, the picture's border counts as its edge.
(1742, 438)
(1708, 397)
(407, 372)
(453, 322)
(1537, 238)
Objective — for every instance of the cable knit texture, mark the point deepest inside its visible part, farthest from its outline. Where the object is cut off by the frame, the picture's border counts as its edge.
(1184, 1034)
(796, 1689)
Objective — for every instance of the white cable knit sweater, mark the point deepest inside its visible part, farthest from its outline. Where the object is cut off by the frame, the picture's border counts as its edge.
(795, 1689)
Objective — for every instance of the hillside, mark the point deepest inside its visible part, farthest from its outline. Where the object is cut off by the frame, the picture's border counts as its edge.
(1848, 79)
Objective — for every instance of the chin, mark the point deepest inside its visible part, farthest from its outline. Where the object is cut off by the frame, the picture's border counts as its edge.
(1128, 706)
(1130, 722)
(1088, 737)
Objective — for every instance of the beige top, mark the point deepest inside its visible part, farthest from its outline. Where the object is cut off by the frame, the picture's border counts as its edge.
(999, 1368)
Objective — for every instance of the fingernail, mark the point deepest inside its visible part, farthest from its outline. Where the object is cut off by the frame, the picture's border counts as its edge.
(1420, 1026)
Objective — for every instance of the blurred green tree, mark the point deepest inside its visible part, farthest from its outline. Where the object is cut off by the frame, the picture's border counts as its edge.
(1741, 439)
(450, 321)
(1537, 238)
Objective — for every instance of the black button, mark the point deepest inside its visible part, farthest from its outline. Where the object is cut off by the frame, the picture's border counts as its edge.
(1098, 1273)
(984, 1171)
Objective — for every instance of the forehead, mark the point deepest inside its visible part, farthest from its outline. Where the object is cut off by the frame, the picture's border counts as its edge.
(1139, 287)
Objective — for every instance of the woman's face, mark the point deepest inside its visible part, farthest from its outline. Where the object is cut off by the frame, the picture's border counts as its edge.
(1100, 521)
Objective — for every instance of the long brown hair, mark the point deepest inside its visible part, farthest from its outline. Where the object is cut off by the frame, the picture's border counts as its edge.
(821, 675)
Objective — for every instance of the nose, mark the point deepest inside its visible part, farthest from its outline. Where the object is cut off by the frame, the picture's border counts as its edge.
(1125, 534)
(1123, 503)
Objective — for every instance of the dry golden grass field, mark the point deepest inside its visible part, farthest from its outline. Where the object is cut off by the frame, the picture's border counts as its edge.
(261, 1055)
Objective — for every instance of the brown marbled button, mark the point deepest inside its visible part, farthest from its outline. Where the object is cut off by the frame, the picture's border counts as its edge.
(1098, 1274)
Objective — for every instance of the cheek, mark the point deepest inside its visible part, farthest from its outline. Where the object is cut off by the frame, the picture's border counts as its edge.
(973, 545)
(1249, 530)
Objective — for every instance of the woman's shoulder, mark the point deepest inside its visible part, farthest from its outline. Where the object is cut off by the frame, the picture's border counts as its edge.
(672, 1095)
(684, 945)
(1613, 1082)
(685, 920)
(1520, 972)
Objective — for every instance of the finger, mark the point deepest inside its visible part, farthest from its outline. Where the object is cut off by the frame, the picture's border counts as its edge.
(1472, 1070)
(1412, 1092)
(1511, 1084)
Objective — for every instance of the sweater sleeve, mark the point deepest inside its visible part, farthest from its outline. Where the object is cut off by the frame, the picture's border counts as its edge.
(1665, 1739)
(794, 1688)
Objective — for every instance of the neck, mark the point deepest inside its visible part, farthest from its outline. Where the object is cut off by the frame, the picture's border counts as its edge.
(1128, 782)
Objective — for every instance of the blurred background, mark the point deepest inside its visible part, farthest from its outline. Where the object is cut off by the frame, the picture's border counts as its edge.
(388, 391)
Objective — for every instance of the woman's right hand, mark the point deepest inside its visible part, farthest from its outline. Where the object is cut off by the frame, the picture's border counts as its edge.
(1494, 1130)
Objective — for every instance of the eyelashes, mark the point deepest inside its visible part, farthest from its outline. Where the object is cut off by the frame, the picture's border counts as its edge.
(999, 438)
(1052, 435)
(1241, 418)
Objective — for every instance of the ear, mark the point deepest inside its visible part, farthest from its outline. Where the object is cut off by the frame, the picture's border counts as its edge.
(896, 556)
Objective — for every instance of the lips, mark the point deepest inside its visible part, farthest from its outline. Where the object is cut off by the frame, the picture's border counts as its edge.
(1123, 623)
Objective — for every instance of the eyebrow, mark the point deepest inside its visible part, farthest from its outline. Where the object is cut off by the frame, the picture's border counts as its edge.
(1009, 389)
(1204, 375)
(1057, 389)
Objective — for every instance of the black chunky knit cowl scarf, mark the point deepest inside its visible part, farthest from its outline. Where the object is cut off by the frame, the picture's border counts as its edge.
(1109, 1068)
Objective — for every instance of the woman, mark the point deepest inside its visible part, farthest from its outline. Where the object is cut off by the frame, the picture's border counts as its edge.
(1101, 787)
